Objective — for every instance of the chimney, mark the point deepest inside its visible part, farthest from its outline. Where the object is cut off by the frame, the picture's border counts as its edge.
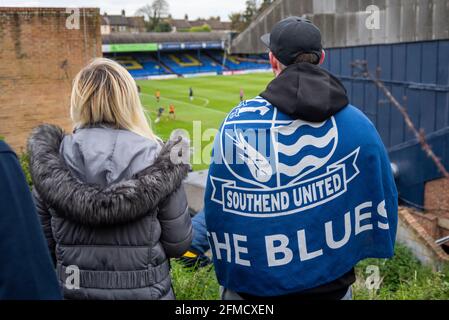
(186, 17)
(123, 13)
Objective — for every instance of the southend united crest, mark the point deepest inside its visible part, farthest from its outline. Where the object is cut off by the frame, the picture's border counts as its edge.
(278, 166)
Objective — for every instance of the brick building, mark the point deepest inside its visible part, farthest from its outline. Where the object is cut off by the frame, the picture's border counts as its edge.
(41, 50)
(122, 23)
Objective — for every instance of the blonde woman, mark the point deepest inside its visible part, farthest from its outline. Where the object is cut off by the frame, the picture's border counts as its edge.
(110, 199)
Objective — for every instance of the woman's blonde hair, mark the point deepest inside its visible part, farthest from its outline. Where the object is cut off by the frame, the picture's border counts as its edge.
(105, 93)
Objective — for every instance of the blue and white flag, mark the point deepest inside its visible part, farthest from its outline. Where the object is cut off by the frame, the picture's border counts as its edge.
(291, 205)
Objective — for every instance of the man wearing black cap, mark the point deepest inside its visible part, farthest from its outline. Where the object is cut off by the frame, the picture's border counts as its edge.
(300, 187)
(295, 42)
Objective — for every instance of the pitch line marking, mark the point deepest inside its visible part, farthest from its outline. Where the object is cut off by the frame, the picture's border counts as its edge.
(206, 103)
(190, 104)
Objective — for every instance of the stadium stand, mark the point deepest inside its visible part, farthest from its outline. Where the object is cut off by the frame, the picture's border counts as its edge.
(236, 63)
(151, 55)
(129, 63)
(190, 63)
(140, 65)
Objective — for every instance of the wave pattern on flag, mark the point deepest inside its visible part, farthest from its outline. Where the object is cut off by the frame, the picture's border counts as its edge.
(313, 149)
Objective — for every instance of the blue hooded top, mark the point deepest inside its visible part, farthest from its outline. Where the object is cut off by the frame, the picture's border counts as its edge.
(300, 188)
(26, 270)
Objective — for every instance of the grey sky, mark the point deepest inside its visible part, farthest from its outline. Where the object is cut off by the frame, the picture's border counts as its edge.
(194, 8)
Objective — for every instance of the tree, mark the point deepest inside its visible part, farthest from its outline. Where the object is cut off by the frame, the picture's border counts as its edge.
(146, 11)
(241, 20)
(160, 8)
(163, 26)
(237, 21)
(154, 13)
(250, 11)
(265, 4)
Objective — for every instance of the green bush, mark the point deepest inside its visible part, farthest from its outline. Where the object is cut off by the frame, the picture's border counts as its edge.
(162, 27)
(204, 28)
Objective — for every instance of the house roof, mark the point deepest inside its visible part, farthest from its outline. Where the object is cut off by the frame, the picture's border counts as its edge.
(115, 20)
(180, 23)
(219, 25)
(136, 22)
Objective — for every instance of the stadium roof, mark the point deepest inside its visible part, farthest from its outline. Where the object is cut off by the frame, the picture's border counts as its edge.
(161, 37)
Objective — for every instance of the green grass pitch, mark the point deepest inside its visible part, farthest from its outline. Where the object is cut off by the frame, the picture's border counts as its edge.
(214, 97)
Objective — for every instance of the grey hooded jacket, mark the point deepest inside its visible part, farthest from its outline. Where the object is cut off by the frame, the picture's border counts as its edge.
(112, 205)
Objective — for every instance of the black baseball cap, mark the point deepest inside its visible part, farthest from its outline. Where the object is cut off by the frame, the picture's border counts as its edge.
(292, 36)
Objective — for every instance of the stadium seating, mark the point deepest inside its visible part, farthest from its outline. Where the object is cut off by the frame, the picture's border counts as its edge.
(233, 63)
(129, 63)
(190, 62)
(185, 60)
(141, 65)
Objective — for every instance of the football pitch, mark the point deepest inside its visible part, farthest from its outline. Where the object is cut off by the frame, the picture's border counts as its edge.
(214, 97)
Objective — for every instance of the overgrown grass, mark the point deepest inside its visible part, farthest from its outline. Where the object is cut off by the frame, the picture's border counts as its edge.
(403, 278)
(194, 285)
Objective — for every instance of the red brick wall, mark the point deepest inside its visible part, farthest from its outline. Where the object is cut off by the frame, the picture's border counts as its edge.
(436, 195)
(436, 198)
(39, 58)
(412, 234)
(429, 222)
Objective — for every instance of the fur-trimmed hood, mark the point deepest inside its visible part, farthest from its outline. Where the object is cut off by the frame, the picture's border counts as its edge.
(91, 204)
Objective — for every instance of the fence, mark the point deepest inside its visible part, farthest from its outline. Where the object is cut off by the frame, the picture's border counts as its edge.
(417, 74)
